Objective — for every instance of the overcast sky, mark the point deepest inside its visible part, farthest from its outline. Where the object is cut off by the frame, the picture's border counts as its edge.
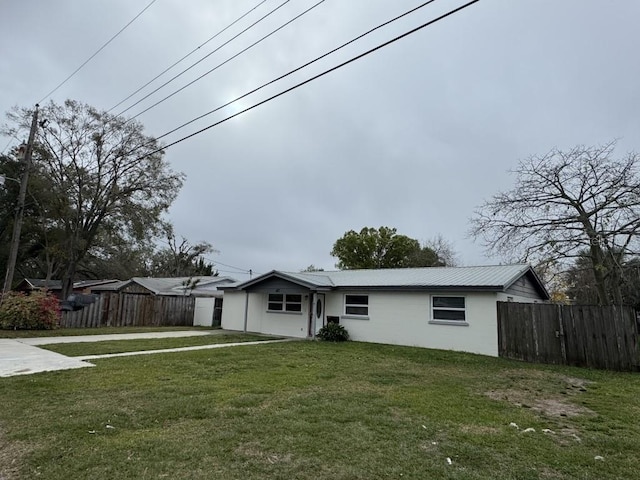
(414, 136)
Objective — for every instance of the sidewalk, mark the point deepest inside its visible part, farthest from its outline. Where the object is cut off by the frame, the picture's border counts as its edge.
(17, 358)
(21, 356)
(116, 336)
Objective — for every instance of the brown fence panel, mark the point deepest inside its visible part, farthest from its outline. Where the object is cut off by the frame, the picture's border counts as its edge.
(115, 309)
(587, 336)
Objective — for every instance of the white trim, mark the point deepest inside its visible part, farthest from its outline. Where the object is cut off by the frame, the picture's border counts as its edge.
(457, 323)
(282, 312)
(354, 317)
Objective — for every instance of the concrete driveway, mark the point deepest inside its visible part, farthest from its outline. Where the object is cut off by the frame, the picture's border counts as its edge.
(21, 356)
(18, 358)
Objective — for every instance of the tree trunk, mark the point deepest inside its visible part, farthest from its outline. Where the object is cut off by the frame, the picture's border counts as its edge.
(600, 272)
(67, 280)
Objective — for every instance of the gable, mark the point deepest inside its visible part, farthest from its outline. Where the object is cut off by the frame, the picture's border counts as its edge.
(527, 287)
(275, 284)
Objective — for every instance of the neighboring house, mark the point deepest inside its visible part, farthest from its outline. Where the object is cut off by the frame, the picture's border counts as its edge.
(55, 286)
(208, 297)
(451, 308)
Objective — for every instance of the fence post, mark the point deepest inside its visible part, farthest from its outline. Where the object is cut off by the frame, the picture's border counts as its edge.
(560, 333)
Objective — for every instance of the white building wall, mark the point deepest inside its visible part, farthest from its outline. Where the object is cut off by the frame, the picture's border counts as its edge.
(233, 310)
(400, 318)
(403, 318)
(261, 321)
(203, 312)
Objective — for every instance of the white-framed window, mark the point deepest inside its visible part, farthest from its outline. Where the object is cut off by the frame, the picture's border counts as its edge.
(448, 309)
(356, 305)
(281, 302)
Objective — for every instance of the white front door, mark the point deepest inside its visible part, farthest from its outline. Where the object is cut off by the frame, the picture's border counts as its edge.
(316, 316)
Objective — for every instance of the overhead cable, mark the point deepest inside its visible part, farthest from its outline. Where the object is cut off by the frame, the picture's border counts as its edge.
(205, 57)
(315, 77)
(96, 53)
(228, 59)
(291, 72)
(359, 37)
(186, 56)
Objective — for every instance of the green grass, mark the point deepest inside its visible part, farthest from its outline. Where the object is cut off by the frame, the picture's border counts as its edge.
(120, 346)
(313, 410)
(66, 332)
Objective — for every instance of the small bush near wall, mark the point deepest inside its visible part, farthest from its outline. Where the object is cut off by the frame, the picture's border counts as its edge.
(37, 311)
(333, 332)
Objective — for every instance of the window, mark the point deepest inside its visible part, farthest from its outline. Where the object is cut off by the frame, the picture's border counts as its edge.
(448, 309)
(280, 302)
(356, 305)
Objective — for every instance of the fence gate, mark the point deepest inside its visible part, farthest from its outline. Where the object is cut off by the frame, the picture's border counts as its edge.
(586, 336)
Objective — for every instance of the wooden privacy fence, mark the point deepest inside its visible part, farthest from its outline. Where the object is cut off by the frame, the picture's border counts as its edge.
(585, 336)
(115, 309)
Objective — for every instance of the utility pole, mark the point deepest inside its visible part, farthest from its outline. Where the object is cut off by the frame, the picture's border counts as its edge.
(17, 225)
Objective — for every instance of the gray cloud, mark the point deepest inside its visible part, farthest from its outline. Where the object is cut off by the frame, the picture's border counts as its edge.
(414, 136)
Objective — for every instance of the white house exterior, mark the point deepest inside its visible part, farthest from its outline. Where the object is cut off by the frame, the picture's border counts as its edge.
(451, 308)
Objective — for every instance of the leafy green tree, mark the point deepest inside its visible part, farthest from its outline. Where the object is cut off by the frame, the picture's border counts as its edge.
(108, 182)
(36, 255)
(382, 248)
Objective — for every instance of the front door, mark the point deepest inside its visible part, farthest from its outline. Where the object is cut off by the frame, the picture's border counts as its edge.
(317, 318)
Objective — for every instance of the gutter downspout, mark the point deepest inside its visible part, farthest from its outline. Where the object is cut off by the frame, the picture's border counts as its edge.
(246, 309)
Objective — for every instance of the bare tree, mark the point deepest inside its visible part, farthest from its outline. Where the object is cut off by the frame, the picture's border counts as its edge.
(182, 258)
(108, 180)
(566, 203)
(444, 249)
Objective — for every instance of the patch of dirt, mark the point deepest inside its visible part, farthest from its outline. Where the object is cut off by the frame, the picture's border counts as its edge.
(11, 454)
(550, 406)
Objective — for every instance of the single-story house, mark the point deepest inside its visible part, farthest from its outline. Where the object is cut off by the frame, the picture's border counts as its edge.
(55, 286)
(451, 308)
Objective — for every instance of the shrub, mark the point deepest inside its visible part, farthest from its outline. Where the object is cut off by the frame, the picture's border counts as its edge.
(333, 332)
(37, 311)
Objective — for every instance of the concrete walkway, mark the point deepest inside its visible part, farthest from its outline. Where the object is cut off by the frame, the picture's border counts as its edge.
(117, 336)
(17, 358)
(20, 356)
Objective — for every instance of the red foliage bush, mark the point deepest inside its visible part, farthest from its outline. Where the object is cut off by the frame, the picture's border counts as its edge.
(37, 311)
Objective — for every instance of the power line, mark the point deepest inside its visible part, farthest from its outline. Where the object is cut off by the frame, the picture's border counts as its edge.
(216, 262)
(228, 60)
(6, 146)
(205, 57)
(235, 271)
(291, 72)
(165, 242)
(96, 53)
(315, 77)
(187, 55)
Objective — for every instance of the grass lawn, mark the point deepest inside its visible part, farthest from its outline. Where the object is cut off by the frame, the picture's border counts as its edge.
(119, 346)
(310, 410)
(66, 332)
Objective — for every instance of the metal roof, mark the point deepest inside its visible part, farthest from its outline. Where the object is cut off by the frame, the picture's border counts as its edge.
(176, 285)
(490, 277)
